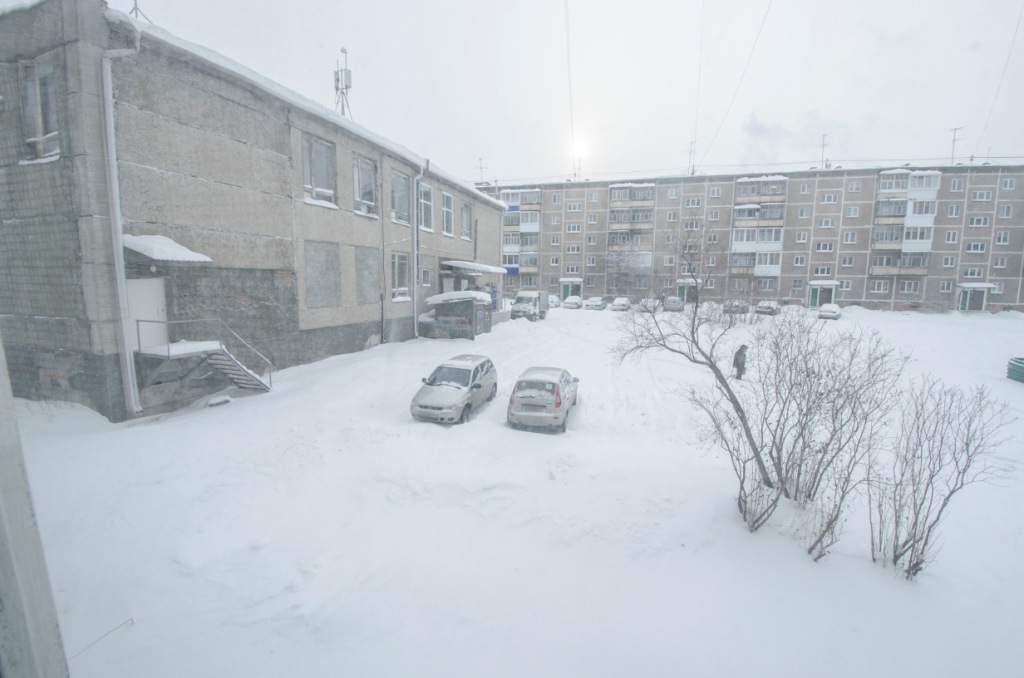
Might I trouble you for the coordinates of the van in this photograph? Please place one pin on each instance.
(532, 305)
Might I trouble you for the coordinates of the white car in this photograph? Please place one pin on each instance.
(554, 301)
(829, 312)
(572, 302)
(543, 398)
(594, 304)
(620, 304)
(673, 304)
(455, 389)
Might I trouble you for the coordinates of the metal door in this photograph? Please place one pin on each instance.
(146, 301)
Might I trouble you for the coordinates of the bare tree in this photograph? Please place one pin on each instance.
(942, 445)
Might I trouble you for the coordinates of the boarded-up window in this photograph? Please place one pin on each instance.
(367, 275)
(323, 274)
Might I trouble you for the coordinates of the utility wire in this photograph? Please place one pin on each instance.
(1006, 65)
(737, 90)
(568, 66)
(696, 106)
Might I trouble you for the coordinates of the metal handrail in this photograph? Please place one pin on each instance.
(217, 321)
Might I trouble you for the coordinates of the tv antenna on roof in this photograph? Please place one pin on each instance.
(136, 12)
(342, 84)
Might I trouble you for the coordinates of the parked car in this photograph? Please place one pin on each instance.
(531, 305)
(456, 388)
(829, 312)
(735, 306)
(554, 301)
(594, 304)
(620, 304)
(767, 308)
(543, 398)
(572, 302)
(673, 304)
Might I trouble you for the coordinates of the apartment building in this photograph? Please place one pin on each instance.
(159, 197)
(894, 238)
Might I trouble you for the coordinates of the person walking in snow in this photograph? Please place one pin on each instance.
(739, 361)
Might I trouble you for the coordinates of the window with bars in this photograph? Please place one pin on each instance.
(399, 275)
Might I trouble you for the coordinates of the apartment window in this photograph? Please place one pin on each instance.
(575, 207)
(712, 238)
(909, 286)
(556, 240)
(822, 271)
(673, 193)
(589, 281)
(426, 208)
(364, 185)
(691, 225)
(827, 222)
(672, 216)
(976, 247)
(510, 238)
(318, 168)
(528, 281)
(712, 261)
(670, 261)
(801, 236)
(712, 215)
(846, 261)
(974, 272)
(798, 285)
(554, 261)
(574, 228)
(852, 212)
(800, 260)
(978, 221)
(399, 275)
(951, 237)
(956, 186)
(591, 218)
(591, 261)
(853, 187)
(426, 277)
(467, 222)
(591, 239)
(571, 270)
(593, 196)
(556, 198)
(924, 207)
(510, 260)
(846, 285)
(766, 284)
(948, 262)
(768, 259)
(572, 249)
(41, 109)
(670, 238)
(824, 247)
(1005, 211)
(998, 289)
(805, 189)
(879, 286)
(946, 286)
(529, 198)
(953, 211)
(693, 202)
(739, 284)
(1002, 237)
(400, 198)
(529, 259)
(893, 182)
(1009, 184)
(927, 181)
(803, 213)
(829, 198)
(850, 237)
(998, 262)
(716, 191)
(555, 220)
(981, 196)
(448, 214)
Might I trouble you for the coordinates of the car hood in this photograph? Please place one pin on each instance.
(439, 396)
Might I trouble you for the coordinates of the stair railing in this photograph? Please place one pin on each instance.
(185, 330)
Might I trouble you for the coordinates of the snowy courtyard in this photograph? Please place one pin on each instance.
(318, 530)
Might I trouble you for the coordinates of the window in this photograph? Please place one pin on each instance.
(399, 275)
(672, 216)
(510, 238)
(978, 221)
(739, 284)
(821, 271)
(529, 198)
(467, 222)
(768, 259)
(893, 182)
(798, 285)
(591, 261)
(712, 238)
(981, 196)
(828, 222)
(426, 208)
(946, 286)
(997, 289)
(803, 213)
(712, 261)
(400, 198)
(924, 206)
(879, 286)
(1002, 237)
(769, 235)
(852, 212)
(853, 187)
(555, 220)
(948, 262)
(556, 240)
(998, 262)
(956, 186)
(846, 261)
(951, 237)
(926, 181)
(917, 233)
(766, 284)
(447, 214)
(673, 193)
(850, 237)
(41, 109)
(591, 218)
(805, 189)
(974, 272)
(670, 261)
(716, 191)
(554, 261)
(1005, 211)
(800, 260)
(556, 198)
(590, 281)
(670, 238)
(693, 202)
(691, 225)
(801, 236)
(575, 207)
(712, 215)
(364, 185)
(591, 239)
(574, 228)
(572, 249)
(909, 286)
(829, 198)
(1009, 184)
(528, 259)
(426, 277)
(509, 259)
(976, 247)
(846, 285)
(824, 247)
(572, 269)
(689, 248)
(953, 211)
(318, 168)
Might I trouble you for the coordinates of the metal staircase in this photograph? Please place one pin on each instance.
(239, 374)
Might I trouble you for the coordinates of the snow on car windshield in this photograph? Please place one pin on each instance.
(535, 389)
(449, 376)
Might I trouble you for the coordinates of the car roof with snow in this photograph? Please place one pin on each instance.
(541, 374)
(465, 360)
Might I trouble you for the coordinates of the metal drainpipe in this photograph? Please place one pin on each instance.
(128, 381)
(416, 249)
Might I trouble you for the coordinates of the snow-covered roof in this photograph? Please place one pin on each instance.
(746, 206)
(446, 297)
(570, 280)
(976, 286)
(161, 248)
(632, 185)
(895, 171)
(294, 98)
(767, 177)
(474, 266)
(690, 282)
(823, 283)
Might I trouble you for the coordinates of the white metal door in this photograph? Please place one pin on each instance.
(146, 301)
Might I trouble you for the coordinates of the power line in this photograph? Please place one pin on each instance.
(568, 66)
(1006, 65)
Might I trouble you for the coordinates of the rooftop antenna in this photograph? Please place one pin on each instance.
(952, 154)
(823, 147)
(136, 12)
(482, 168)
(342, 84)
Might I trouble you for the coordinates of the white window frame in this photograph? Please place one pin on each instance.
(1002, 237)
(364, 185)
(824, 247)
(716, 192)
(425, 207)
(40, 106)
(801, 236)
(574, 207)
(953, 211)
(879, 287)
(829, 198)
(574, 228)
(827, 222)
(1005, 211)
(852, 212)
(981, 196)
(949, 261)
(400, 194)
(956, 185)
(951, 237)
(467, 221)
(447, 214)
(693, 202)
(399, 276)
(850, 237)
(318, 167)
(799, 260)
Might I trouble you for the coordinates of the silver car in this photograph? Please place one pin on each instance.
(543, 398)
(455, 389)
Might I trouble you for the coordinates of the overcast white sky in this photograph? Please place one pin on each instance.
(461, 80)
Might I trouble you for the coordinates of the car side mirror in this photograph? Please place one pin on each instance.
(478, 385)
(575, 380)
(424, 380)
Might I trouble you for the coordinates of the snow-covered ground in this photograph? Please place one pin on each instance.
(317, 530)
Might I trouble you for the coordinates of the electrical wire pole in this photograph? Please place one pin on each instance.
(823, 147)
(342, 84)
(952, 153)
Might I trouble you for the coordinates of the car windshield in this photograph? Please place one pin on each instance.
(449, 376)
(535, 390)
